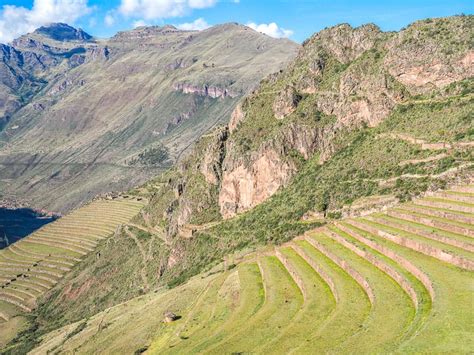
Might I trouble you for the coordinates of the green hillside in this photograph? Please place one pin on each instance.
(334, 213)
(377, 283)
(423, 144)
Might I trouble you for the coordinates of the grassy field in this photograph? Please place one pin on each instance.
(33, 265)
(360, 285)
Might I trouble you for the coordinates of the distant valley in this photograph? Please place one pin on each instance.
(18, 223)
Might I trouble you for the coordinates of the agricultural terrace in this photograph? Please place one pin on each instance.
(396, 281)
(33, 265)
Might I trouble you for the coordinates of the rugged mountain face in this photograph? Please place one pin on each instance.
(357, 77)
(84, 116)
(340, 82)
(32, 60)
(63, 32)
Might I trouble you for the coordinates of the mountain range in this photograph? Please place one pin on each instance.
(282, 197)
(82, 116)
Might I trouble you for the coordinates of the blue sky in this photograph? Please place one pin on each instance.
(296, 19)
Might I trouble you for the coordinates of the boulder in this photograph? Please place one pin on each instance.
(170, 317)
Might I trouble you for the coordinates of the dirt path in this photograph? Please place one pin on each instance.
(144, 257)
(425, 160)
(383, 182)
(424, 145)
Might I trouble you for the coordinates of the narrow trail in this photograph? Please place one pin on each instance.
(425, 160)
(382, 182)
(144, 257)
(424, 145)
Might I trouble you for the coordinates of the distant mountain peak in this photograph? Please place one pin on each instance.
(154, 28)
(63, 32)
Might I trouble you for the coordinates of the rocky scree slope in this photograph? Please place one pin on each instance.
(83, 116)
(332, 130)
(30, 61)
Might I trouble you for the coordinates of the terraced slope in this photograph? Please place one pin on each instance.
(33, 265)
(398, 281)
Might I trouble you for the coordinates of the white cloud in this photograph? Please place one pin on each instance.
(18, 20)
(92, 22)
(197, 25)
(109, 19)
(139, 23)
(201, 4)
(271, 29)
(159, 9)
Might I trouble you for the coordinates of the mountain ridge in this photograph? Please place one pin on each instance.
(212, 65)
(63, 32)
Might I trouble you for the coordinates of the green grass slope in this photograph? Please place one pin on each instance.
(183, 233)
(356, 137)
(355, 285)
(369, 162)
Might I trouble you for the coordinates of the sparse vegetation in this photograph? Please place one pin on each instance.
(152, 156)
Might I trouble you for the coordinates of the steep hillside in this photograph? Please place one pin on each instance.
(283, 176)
(35, 264)
(397, 281)
(355, 124)
(86, 116)
(32, 60)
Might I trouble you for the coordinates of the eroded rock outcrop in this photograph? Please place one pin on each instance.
(248, 180)
(213, 157)
(193, 187)
(204, 90)
(346, 43)
(286, 102)
(63, 85)
(245, 185)
(365, 95)
(238, 115)
(431, 54)
(97, 53)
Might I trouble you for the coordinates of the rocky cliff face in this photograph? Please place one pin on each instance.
(431, 54)
(250, 179)
(211, 91)
(343, 78)
(357, 75)
(246, 184)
